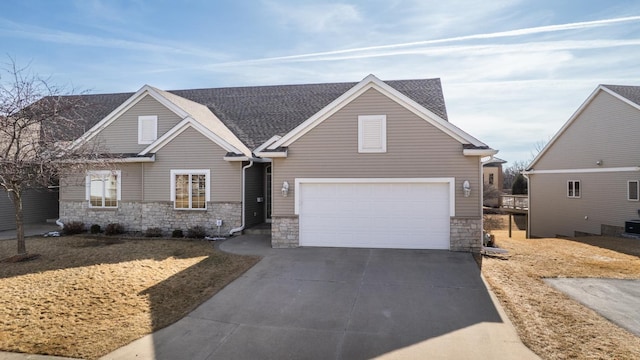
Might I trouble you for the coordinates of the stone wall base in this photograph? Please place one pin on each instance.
(466, 234)
(285, 232)
(140, 216)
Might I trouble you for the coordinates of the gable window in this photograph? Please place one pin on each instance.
(103, 188)
(490, 179)
(633, 190)
(190, 189)
(372, 133)
(147, 129)
(573, 188)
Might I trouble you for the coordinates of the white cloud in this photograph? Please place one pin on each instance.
(314, 17)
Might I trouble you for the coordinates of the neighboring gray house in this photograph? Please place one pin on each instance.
(367, 164)
(38, 206)
(586, 180)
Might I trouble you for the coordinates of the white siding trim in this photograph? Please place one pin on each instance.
(147, 129)
(450, 181)
(372, 133)
(583, 171)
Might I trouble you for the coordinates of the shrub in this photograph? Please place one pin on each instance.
(196, 232)
(114, 229)
(73, 227)
(177, 233)
(95, 229)
(153, 232)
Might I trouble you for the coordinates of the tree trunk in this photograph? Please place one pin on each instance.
(16, 198)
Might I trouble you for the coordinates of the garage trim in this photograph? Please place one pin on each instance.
(450, 181)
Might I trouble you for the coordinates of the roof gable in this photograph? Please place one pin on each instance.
(372, 82)
(627, 94)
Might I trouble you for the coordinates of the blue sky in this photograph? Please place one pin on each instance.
(513, 71)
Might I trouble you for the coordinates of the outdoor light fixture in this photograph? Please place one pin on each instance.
(285, 189)
(466, 188)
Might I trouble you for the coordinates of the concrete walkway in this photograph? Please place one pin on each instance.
(29, 230)
(328, 303)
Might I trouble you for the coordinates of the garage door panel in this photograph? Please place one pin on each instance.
(392, 215)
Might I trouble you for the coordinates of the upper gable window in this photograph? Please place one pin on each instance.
(633, 190)
(372, 133)
(147, 129)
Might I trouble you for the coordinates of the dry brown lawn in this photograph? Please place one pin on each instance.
(85, 297)
(550, 323)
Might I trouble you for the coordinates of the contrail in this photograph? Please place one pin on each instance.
(501, 34)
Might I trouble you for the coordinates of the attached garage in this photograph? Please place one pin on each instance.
(375, 213)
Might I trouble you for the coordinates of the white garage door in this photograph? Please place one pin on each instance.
(374, 214)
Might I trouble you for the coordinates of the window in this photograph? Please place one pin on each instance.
(633, 190)
(490, 179)
(147, 129)
(103, 188)
(190, 189)
(372, 133)
(573, 188)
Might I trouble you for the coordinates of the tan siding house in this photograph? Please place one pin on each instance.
(367, 164)
(580, 181)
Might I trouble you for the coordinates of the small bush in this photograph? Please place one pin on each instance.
(177, 233)
(95, 229)
(196, 232)
(114, 229)
(153, 232)
(73, 227)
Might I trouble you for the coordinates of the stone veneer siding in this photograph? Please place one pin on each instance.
(465, 234)
(140, 216)
(285, 232)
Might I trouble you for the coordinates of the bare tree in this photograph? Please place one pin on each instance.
(512, 172)
(37, 127)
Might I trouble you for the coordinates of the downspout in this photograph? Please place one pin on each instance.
(244, 176)
(528, 231)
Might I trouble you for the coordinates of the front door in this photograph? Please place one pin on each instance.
(267, 192)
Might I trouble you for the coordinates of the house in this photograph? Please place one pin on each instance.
(586, 180)
(493, 180)
(367, 164)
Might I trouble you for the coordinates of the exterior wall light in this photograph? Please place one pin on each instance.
(285, 189)
(466, 188)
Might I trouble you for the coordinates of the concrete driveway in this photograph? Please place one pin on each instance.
(331, 303)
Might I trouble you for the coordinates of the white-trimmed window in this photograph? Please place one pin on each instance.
(103, 188)
(147, 129)
(190, 189)
(372, 133)
(573, 189)
(633, 190)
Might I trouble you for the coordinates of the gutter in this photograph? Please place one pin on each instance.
(244, 176)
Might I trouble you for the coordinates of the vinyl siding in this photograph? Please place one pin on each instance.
(603, 200)
(38, 206)
(121, 136)
(607, 130)
(193, 151)
(415, 148)
(73, 187)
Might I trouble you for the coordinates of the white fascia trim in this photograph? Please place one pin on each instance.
(479, 152)
(236, 158)
(267, 143)
(130, 102)
(583, 171)
(447, 180)
(373, 82)
(180, 128)
(272, 154)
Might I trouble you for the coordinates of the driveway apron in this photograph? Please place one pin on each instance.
(341, 303)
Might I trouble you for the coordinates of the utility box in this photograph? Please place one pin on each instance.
(632, 226)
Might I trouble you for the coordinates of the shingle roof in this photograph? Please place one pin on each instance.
(630, 92)
(257, 113)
